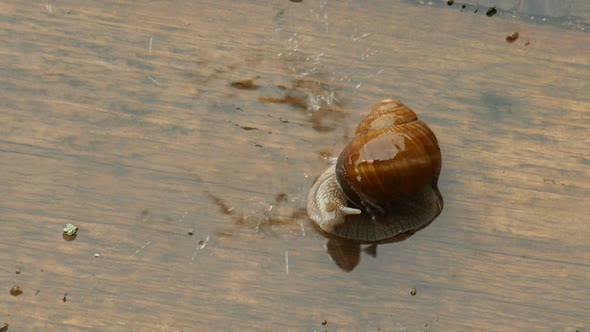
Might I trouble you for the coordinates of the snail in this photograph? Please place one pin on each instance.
(384, 182)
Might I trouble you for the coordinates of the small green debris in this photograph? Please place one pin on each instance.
(280, 14)
(70, 230)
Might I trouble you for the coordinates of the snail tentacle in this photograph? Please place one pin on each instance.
(349, 211)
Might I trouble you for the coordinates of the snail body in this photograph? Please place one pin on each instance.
(392, 163)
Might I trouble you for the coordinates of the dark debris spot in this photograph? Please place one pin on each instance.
(16, 290)
(244, 85)
(144, 214)
(248, 128)
(491, 11)
(225, 209)
(288, 99)
(281, 197)
(512, 38)
(450, 2)
(322, 128)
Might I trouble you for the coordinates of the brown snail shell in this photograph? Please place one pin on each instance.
(392, 154)
(385, 180)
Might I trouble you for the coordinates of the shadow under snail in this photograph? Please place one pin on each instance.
(384, 182)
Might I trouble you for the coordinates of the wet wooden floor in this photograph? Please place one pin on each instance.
(182, 139)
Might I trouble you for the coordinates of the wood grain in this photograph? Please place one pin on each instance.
(121, 117)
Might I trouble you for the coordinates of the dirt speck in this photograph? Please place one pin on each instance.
(512, 38)
(144, 215)
(16, 290)
(281, 197)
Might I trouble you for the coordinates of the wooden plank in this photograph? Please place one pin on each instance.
(121, 118)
